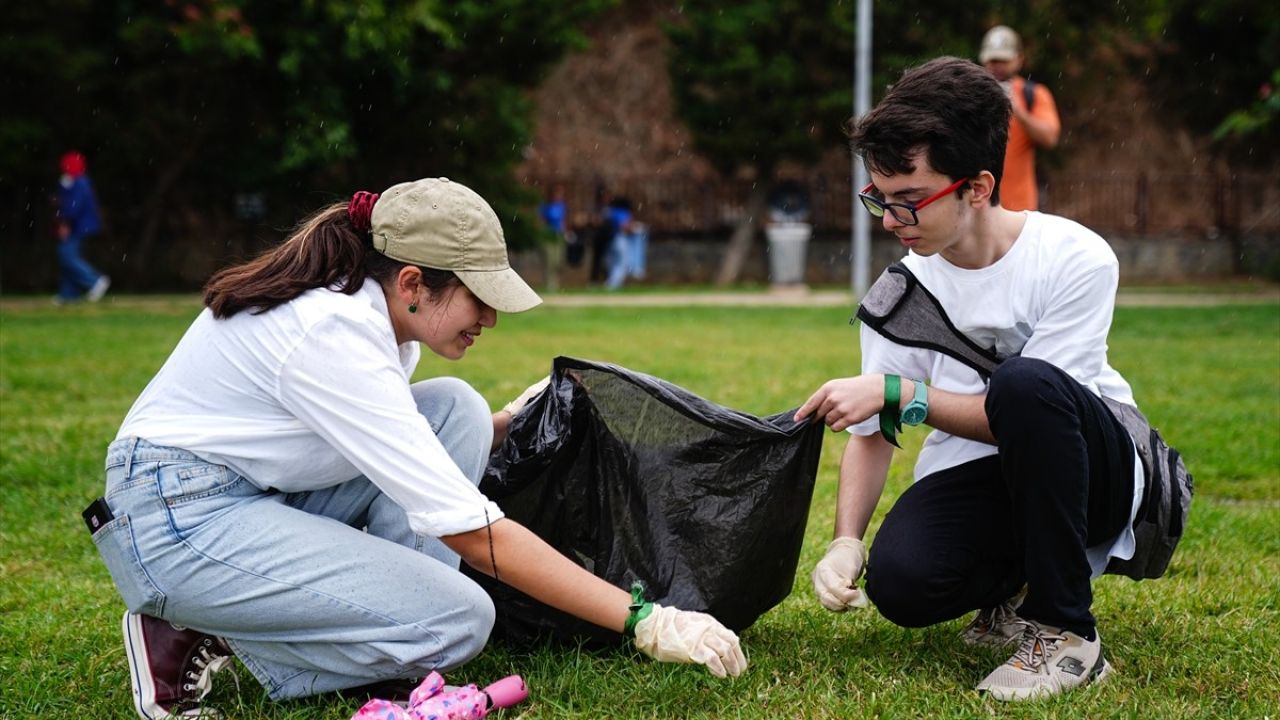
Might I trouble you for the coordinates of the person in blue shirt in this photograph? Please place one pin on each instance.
(553, 213)
(630, 243)
(78, 219)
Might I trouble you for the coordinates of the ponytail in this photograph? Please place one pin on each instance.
(325, 251)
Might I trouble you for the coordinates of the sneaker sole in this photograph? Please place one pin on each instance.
(1036, 693)
(135, 648)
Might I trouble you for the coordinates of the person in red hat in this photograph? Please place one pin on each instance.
(78, 219)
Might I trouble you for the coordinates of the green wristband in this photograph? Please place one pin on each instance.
(890, 423)
(639, 610)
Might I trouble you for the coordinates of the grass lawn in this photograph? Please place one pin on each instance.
(1202, 642)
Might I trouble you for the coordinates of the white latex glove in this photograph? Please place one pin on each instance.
(672, 635)
(523, 398)
(835, 575)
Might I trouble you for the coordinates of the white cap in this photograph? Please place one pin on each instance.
(1000, 43)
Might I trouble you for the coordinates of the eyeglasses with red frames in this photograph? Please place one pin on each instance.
(904, 213)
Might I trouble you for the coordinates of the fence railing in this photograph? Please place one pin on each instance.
(1140, 204)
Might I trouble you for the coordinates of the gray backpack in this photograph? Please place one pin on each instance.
(900, 308)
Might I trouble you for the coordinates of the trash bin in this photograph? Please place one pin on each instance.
(788, 248)
(788, 231)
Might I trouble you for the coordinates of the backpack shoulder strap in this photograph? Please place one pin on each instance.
(903, 310)
(1029, 93)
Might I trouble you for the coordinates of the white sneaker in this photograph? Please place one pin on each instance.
(1048, 662)
(99, 288)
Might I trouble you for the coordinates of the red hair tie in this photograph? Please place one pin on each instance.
(360, 210)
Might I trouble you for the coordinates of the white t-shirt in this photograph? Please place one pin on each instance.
(1050, 297)
(312, 393)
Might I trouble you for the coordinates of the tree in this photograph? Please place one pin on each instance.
(759, 83)
(181, 105)
(1214, 61)
(1258, 118)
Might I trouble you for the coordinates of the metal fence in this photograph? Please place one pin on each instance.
(1139, 204)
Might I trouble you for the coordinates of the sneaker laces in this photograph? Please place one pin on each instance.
(1038, 643)
(1005, 613)
(993, 617)
(209, 660)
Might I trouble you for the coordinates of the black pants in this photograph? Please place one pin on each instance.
(970, 536)
(601, 242)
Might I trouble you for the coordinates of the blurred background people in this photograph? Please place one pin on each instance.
(1034, 123)
(629, 246)
(602, 233)
(553, 213)
(77, 220)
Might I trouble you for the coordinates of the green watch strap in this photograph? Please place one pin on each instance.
(889, 422)
(639, 610)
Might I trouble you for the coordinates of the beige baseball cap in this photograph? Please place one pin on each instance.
(1000, 43)
(441, 224)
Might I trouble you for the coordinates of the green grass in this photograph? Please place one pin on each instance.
(1202, 642)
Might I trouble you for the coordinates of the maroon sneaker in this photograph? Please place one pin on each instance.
(172, 667)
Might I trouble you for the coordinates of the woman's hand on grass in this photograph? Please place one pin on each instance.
(672, 635)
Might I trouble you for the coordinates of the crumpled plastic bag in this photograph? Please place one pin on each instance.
(637, 479)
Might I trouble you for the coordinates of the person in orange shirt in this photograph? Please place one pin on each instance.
(1034, 123)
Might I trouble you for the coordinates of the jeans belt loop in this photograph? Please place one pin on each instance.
(128, 458)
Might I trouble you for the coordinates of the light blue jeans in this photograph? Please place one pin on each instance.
(315, 591)
(75, 274)
(627, 257)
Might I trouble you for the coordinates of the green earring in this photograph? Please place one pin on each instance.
(413, 307)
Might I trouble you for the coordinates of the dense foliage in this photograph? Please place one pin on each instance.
(1215, 58)
(759, 81)
(183, 105)
(187, 109)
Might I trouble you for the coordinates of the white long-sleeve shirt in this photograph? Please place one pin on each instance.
(312, 393)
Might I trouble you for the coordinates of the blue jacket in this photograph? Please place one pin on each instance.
(78, 208)
(553, 214)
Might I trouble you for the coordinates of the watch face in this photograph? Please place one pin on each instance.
(913, 415)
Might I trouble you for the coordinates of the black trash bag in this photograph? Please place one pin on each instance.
(636, 479)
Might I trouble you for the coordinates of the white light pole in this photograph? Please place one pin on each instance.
(861, 241)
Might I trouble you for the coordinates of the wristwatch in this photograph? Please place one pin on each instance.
(918, 409)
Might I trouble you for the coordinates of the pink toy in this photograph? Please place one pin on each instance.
(430, 701)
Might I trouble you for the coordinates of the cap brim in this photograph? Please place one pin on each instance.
(503, 290)
(1002, 55)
